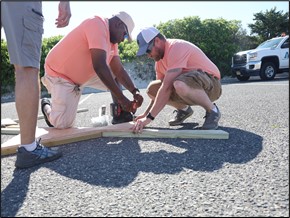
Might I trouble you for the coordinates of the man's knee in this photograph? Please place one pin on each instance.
(153, 88)
(62, 122)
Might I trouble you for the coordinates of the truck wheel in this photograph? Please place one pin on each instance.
(268, 71)
(243, 78)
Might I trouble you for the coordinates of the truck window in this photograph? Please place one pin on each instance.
(285, 44)
(270, 43)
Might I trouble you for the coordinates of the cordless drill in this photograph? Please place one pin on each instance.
(116, 109)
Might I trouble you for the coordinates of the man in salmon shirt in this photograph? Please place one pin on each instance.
(88, 57)
(185, 76)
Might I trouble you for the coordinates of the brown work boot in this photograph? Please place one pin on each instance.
(180, 116)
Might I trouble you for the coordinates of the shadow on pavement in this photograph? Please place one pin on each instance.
(116, 162)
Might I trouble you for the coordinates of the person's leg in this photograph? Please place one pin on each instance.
(202, 89)
(152, 90)
(27, 81)
(65, 96)
(24, 48)
(196, 97)
(183, 111)
(198, 88)
(23, 26)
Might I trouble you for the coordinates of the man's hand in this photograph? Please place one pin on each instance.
(64, 14)
(138, 98)
(126, 104)
(140, 124)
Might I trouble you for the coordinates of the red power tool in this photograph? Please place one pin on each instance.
(116, 109)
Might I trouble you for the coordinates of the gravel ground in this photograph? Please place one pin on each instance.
(246, 175)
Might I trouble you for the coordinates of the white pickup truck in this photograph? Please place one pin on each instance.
(268, 59)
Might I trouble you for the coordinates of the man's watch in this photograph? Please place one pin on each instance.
(150, 116)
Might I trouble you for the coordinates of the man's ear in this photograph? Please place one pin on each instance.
(156, 41)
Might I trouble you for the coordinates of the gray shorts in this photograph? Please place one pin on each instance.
(23, 25)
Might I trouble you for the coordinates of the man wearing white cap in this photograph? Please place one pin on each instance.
(185, 76)
(88, 57)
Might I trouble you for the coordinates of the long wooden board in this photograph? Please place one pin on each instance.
(154, 133)
(7, 121)
(10, 130)
(7, 124)
(39, 117)
(53, 137)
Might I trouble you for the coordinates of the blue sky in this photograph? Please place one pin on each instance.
(148, 13)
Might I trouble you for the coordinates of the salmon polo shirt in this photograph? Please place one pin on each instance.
(182, 54)
(71, 58)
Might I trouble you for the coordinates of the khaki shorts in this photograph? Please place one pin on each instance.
(65, 97)
(194, 79)
(23, 25)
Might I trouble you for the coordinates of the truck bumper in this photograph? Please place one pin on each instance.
(250, 69)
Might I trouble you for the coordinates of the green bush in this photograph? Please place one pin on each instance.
(7, 70)
(47, 45)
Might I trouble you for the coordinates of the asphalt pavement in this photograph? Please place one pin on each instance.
(246, 175)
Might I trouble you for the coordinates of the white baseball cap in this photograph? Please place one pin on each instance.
(128, 21)
(144, 38)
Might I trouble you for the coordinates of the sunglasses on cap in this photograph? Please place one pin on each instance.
(126, 30)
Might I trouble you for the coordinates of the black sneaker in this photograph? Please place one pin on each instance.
(211, 119)
(40, 154)
(123, 118)
(44, 102)
(180, 116)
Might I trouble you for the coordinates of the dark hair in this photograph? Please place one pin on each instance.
(160, 36)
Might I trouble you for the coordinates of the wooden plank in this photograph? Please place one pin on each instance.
(16, 126)
(39, 117)
(53, 137)
(10, 131)
(7, 122)
(154, 133)
(125, 130)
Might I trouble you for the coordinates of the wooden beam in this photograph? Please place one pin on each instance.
(8, 121)
(154, 133)
(10, 131)
(53, 137)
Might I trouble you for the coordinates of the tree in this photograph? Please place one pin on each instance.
(218, 38)
(7, 70)
(270, 24)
